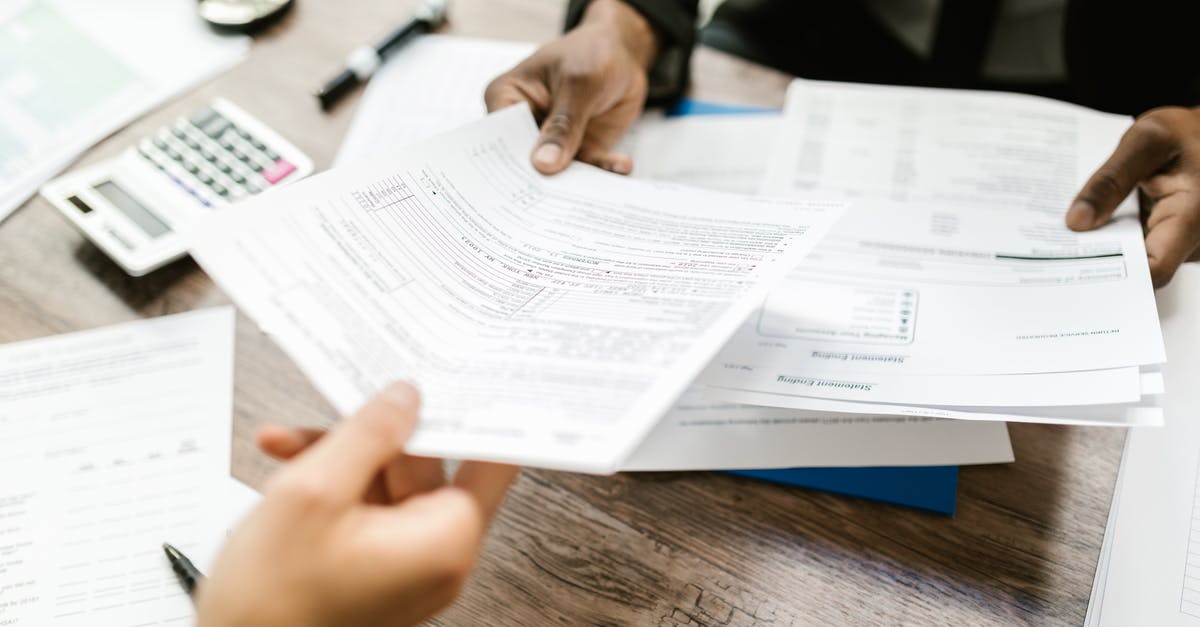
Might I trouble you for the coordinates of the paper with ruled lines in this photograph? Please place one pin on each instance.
(112, 441)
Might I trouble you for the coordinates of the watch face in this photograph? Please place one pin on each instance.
(241, 13)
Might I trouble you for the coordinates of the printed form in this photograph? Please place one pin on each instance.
(548, 321)
(112, 441)
(952, 260)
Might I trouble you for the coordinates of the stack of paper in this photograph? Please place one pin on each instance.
(554, 321)
(721, 149)
(352, 337)
(952, 287)
(724, 154)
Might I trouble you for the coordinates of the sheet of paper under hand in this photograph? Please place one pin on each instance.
(112, 441)
(953, 260)
(548, 321)
(450, 74)
(724, 152)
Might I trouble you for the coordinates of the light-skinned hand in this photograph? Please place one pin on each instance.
(1159, 156)
(586, 88)
(352, 531)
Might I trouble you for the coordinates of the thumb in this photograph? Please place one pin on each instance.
(347, 460)
(562, 131)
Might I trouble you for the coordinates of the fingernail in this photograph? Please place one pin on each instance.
(294, 436)
(1082, 214)
(402, 394)
(548, 154)
(620, 167)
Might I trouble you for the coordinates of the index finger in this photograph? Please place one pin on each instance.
(1145, 148)
(512, 87)
(284, 443)
(1171, 238)
(499, 94)
(487, 482)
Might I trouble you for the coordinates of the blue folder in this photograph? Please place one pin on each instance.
(933, 488)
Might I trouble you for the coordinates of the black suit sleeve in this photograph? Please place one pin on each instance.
(675, 22)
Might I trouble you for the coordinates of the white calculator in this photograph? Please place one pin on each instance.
(134, 206)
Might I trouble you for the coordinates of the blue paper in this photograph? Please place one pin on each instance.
(933, 488)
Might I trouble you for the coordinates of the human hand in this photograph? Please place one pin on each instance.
(1160, 157)
(586, 88)
(352, 531)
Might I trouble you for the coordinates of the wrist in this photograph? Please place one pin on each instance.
(619, 19)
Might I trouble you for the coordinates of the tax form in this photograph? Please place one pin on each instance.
(112, 441)
(73, 71)
(953, 259)
(548, 321)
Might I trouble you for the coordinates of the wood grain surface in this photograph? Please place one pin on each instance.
(639, 549)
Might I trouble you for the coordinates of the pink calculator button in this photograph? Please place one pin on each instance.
(277, 171)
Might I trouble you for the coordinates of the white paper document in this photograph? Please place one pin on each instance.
(953, 259)
(698, 148)
(702, 433)
(73, 71)
(548, 321)
(239, 501)
(1149, 573)
(725, 152)
(1147, 412)
(1089, 387)
(434, 84)
(112, 441)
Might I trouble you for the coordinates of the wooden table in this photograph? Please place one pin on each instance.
(658, 549)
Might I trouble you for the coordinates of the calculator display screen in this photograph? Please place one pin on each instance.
(133, 209)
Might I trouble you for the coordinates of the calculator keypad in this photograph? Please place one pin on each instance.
(211, 157)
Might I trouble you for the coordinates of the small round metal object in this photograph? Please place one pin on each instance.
(242, 15)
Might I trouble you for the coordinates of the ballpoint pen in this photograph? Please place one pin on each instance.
(363, 61)
(189, 576)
